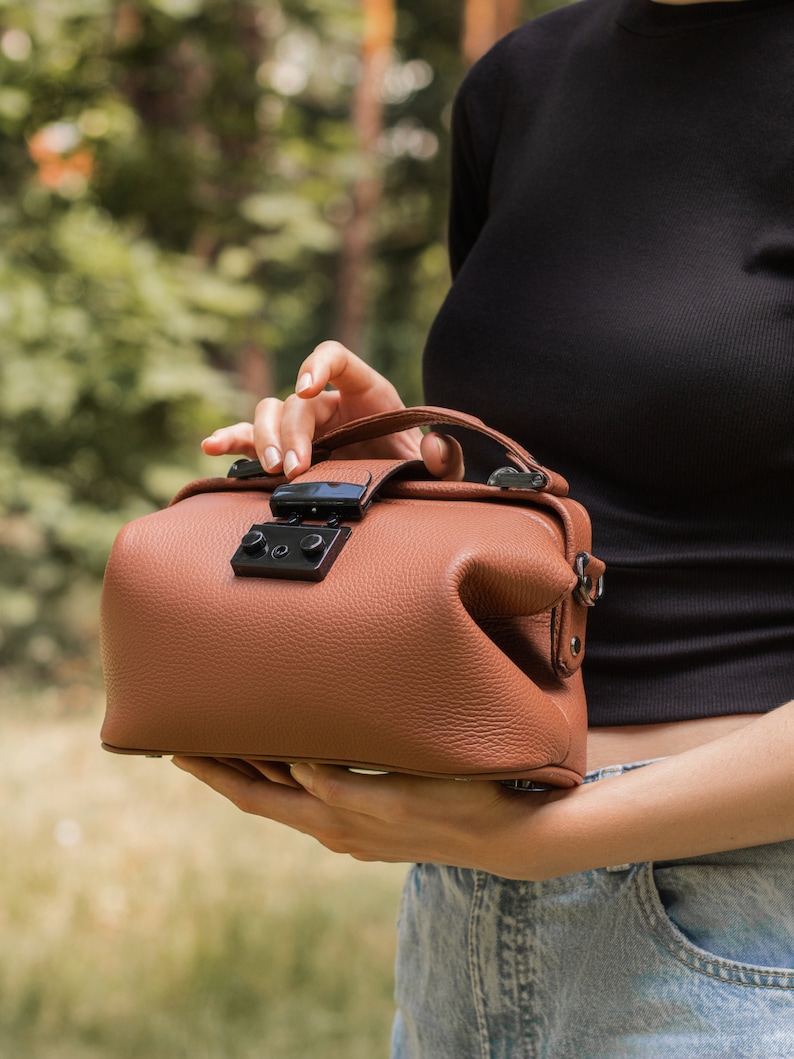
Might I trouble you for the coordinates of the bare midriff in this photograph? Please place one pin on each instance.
(644, 742)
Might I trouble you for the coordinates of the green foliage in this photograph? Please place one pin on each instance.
(174, 177)
(104, 382)
(175, 181)
(107, 375)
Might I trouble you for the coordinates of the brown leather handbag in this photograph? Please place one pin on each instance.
(360, 614)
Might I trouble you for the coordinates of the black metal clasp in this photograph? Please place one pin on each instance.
(293, 552)
(294, 549)
(512, 478)
(323, 500)
(246, 469)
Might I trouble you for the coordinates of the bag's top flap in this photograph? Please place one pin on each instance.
(370, 474)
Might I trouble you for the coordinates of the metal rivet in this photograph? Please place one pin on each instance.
(576, 645)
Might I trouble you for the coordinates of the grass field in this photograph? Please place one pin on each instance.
(143, 916)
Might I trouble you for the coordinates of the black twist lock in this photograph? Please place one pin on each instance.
(313, 545)
(254, 543)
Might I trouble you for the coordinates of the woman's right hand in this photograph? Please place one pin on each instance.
(282, 432)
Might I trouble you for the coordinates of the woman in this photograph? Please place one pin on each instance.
(622, 245)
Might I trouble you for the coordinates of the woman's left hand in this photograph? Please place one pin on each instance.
(384, 817)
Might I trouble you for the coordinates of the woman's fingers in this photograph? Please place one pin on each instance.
(275, 771)
(283, 802)
(332, 364)
(235, 440)
(267, 434)
(357, 390)
(386, 817)
(443, 456)
(397, 817)
(283, 432)
(340, 830)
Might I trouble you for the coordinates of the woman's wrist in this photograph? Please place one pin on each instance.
(736, 791)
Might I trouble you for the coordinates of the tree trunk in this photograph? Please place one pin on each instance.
(485, 21)
(353, 288)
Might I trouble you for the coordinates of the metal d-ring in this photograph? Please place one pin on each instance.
(586, 593)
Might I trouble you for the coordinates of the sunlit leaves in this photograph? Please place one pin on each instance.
(175, 178)
(105, 386)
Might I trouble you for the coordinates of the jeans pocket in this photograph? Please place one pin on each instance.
(729, 915)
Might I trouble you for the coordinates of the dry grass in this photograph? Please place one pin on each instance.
(142, 916)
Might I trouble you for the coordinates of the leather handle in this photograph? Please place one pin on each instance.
(377, 426)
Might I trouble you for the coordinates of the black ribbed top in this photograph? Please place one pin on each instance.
(622, 242)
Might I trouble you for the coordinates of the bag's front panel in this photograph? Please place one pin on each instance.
(357, 668)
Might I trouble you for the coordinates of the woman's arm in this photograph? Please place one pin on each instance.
(735, 791)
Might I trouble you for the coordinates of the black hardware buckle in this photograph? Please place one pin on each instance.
(293, 549)
(246, 469)
(294, 552)
(512, 478)
(321, 500)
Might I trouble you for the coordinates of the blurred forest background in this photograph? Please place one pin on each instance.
(193, 193)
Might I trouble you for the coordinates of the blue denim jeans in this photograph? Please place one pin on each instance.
(687, 958)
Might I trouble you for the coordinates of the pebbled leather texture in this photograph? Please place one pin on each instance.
(439, 643)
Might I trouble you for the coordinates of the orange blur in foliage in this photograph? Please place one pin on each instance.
(59, 165)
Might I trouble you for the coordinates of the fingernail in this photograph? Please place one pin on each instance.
(211, 437)
(290, 462)
(271, 457)
(304, 382)
(304, 774)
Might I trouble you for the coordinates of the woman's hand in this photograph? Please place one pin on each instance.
(735, 791)
(282, 432)
(393, 818)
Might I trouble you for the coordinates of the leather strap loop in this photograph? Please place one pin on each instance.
(369, 473)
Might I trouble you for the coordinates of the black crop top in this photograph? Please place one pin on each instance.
(622, 246)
